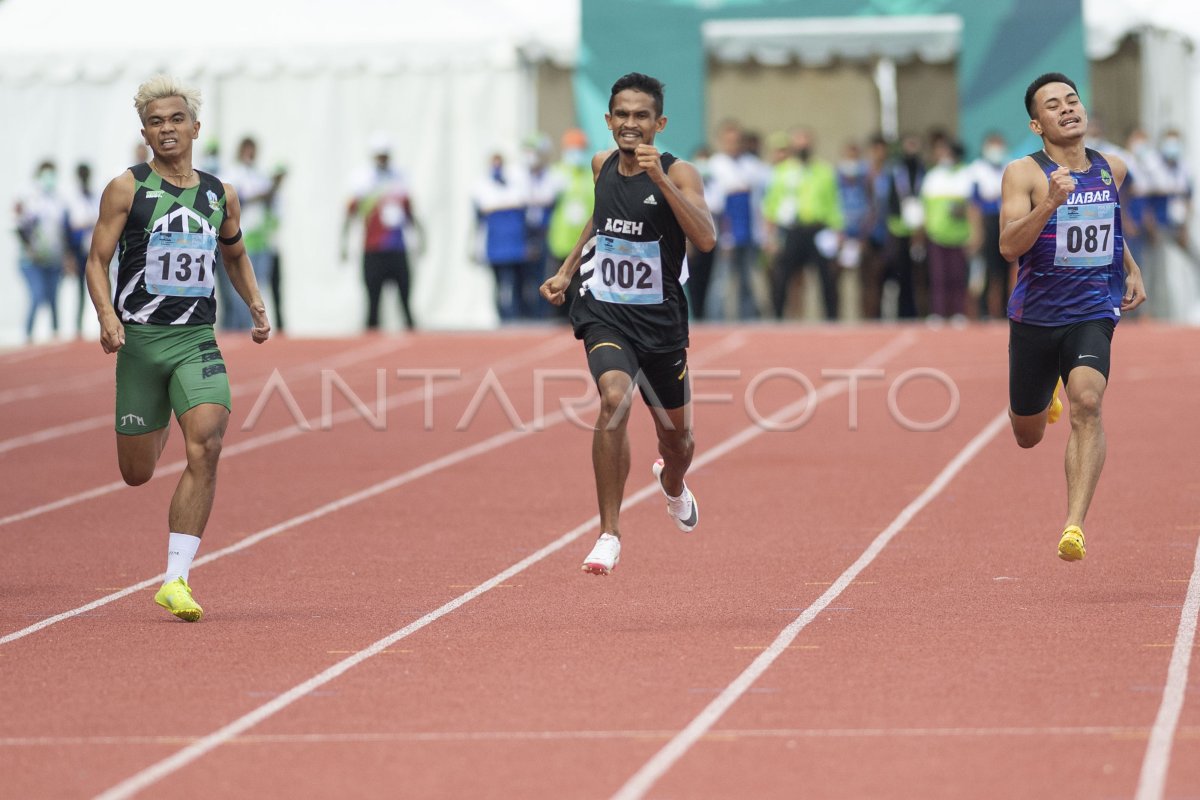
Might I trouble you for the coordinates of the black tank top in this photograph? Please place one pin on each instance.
(177, 228)
(631, 281)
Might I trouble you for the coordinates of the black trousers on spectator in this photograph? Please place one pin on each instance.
(700, 269)
(378, 269)
(277, 294)
(995, 273)
(799, 250)
(899, 266)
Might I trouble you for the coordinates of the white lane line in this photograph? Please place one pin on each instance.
(241, 388)
(725, 734)
(662, 761)
(728, 344)
(409, 397)
(200, 747)
(1152, 782)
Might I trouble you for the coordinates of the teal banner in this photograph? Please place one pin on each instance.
(1005, 44)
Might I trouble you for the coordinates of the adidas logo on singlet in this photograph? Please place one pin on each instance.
(650, 201)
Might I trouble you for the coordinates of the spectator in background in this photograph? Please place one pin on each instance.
(573, 205)
(737, 183)
(906, 215)
(501, 206)
(872, 272)
(381, 197)
(210, 159)
(700, 263)
(986, 173)
(855, 191)
(946, 195)
(84, 210)
(257, 192)
(544, 187)
(43, 227)
(1177, 183)
(276, 286)
(1147, 215)
(802, 201)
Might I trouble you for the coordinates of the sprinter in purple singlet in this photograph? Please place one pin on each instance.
(1061, 219)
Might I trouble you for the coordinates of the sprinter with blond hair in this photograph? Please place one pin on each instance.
(169, 218)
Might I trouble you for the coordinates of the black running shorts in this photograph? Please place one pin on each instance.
(1039, 355)
(661, 377)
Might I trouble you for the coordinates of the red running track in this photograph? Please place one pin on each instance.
(395, 608)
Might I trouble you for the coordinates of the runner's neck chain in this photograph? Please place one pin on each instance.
(181, 175)
(1087, 164)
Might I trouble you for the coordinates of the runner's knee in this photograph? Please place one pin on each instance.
(204, 448)
(1085, 406)
(135, 474)
(614, 398)
(1026, 432)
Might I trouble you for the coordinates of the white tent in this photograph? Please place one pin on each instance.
(312, 81)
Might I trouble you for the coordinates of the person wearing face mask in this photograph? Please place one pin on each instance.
(501, 200)
(258, 192)
(804, 222)
(544, 187)
(43, 227)
(949, 221)
(854, 184)
(732, 185)
(1177, 184)
(84, 205)
(1150, 181)
(986, 173)
(905, 216)
(573, 205)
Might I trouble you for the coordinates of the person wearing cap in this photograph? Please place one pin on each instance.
(382, 199)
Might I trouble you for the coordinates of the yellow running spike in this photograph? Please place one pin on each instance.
(1070, 546)
(1056, 406)
(176, 596)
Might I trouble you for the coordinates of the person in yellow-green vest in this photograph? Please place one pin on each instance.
(573, 207)
(804, 221)
(946, 196)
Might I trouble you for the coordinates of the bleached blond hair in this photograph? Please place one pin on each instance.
(161, 86)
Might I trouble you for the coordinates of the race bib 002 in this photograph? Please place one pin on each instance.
(180, 264)
(1085, 236)
(626, 272)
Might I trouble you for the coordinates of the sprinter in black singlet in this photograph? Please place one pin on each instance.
(631, 312)
(168, 219)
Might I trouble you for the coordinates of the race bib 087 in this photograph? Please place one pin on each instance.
(180, 264)
(1085, 236)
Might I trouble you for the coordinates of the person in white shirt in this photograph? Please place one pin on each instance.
(986, 173)
(43, 229)
(258, 192)
(738, 181)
